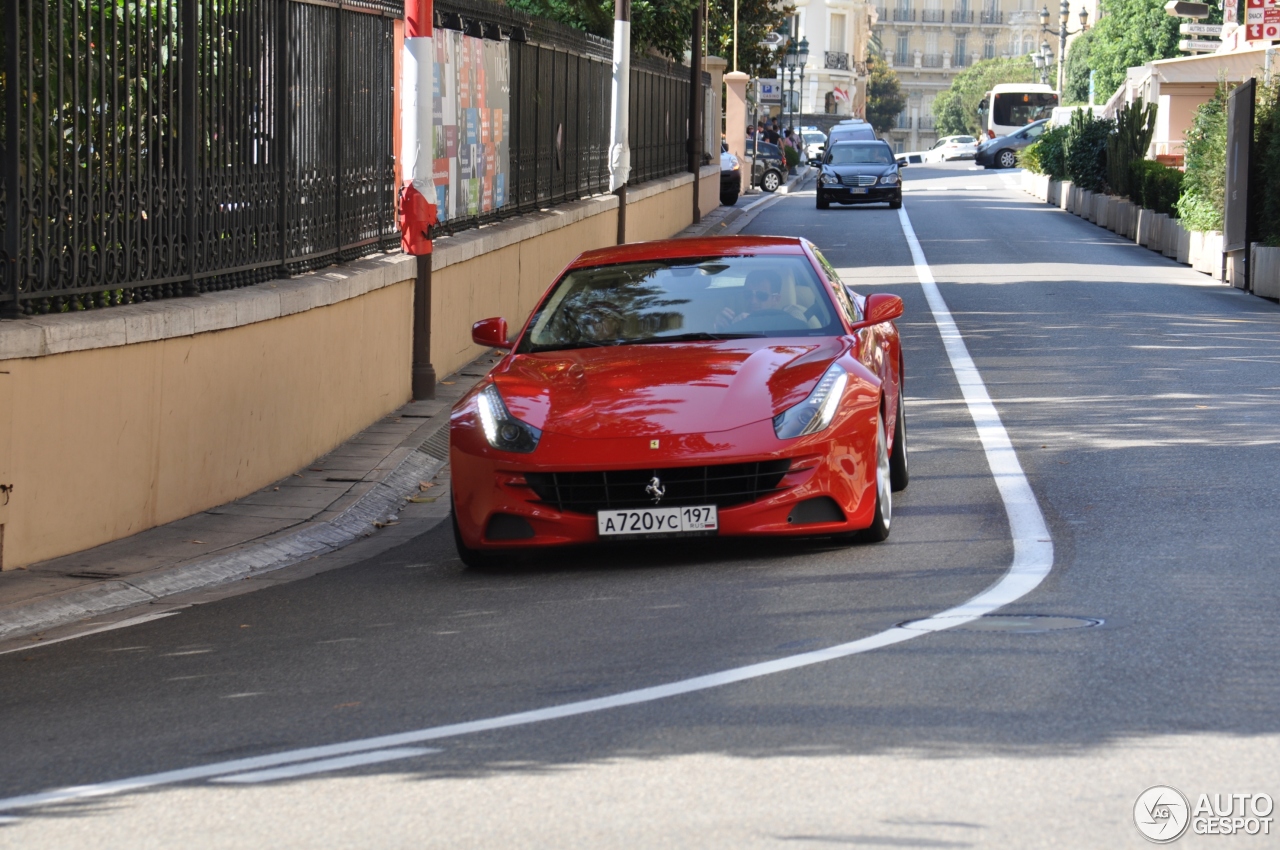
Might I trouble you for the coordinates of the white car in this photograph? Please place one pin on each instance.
(815, 141)
(953, 147)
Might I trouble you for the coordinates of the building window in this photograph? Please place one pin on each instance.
(989, 48)
(902, 56)
(836, 36)
(931, 43)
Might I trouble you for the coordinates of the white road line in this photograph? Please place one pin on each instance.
(132, 621)
(326, 765)
(1032, 560)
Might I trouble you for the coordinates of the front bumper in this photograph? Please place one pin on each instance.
(839, 194)
(838, 464)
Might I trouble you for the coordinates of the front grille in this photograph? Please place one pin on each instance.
(723, 486)
(859, 180)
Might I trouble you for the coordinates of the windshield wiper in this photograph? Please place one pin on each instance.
(695, 337)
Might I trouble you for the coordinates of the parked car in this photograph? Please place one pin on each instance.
(730, 177)
(768, 165)
(815, 142)
(1002, 151)
(594, 426)
(860, 173)
(953, 147)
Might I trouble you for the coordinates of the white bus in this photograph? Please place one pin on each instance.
(1011, 106)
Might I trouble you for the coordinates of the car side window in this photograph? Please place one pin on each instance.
(847, 305)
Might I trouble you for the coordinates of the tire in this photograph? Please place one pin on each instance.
(771, 180)
(883, 518)
(1006, 158)
(896, 205)
(823, 203)
(899, 475)
(473, 558)
(728, 200)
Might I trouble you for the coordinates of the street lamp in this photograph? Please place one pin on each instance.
(802, 59)
(789, 59)
(1038, 59)
(1064, 15)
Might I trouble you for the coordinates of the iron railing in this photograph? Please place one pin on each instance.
(991, 17)
(962, 16)
(835, 60)
(931, 60)
(933, 16)
(172, 147)
(180, 146)
(905, 14)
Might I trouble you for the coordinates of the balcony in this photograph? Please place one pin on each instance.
(835, 60)
(991, 18)
(926, 122)
(902, 59)
(933, 16)
(880, 15)
(931, 60)
(962, 17)
(960, 60)
(903, 123)
(904, 15)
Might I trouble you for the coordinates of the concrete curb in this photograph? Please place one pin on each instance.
(281, 550)
(723, 224)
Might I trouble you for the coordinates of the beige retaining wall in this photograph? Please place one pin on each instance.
(118, 420)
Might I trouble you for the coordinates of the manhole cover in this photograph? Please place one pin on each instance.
(1027, 624)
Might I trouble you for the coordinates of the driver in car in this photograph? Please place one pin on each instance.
(763, 290)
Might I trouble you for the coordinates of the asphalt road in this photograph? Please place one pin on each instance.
(1142, 401)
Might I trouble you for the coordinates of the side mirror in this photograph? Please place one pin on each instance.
(902, 162)
(880, 308)
(491, 333)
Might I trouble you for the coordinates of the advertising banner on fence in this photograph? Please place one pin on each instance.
(470, 124)
(1262, 20)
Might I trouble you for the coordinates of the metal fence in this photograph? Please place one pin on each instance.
(170, 147)
(560, 108)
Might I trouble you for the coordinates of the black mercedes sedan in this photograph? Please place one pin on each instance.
(859, 173)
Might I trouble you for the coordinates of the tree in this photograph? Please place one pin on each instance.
(665, 26)
(1076, 74)
(1132, 33)
(955, 110)
(885, 98)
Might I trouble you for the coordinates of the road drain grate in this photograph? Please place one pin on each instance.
(1025, 624)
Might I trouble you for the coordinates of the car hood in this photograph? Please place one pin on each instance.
(655, 390)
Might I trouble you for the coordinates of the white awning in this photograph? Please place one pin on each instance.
(1236, 67)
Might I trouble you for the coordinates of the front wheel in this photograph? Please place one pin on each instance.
(771, 180)
(895, 204)
(1006, 158)
(899, 475)
(879, 529)
(823, 203)
(728, 200)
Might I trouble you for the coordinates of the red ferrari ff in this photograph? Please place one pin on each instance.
(692, 387)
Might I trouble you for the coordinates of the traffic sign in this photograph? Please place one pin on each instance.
(1214, 30)
(1198, 45)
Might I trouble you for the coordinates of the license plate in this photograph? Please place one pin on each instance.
(658, 522)
(857, 191)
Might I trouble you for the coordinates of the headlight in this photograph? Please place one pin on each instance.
(889, 180)
(501, 429)
(828, 178)
(815, 412)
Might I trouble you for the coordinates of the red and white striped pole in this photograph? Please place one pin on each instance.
(417, 213)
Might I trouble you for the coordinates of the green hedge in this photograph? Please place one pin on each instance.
(1047, 155)
(1154, 186)
(1085, 150)
(1204, 184)
(1264, 179)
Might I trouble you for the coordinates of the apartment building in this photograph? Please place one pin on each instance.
(928, 42)
(839, 32)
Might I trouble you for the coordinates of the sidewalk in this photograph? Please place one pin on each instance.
(344, 496)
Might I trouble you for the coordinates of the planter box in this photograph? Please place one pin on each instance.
(1124, 220)
(1134, 216)
(1207, 256)
(1195, 249)
(1083, 199)
(1064, 195)
(1264, 271)
(1184, 245)
(1055, 192)
(1113, 213)
(1102, 210)
(1158, 224)
(1036, 184)
(1172, 233)
(1143, 235)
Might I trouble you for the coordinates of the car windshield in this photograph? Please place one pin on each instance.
(683, 300)
(861, 155)
(814, 138)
